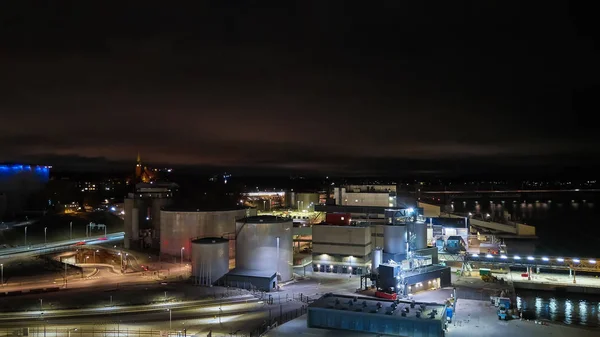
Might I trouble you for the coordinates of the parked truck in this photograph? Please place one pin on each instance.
(503, 308)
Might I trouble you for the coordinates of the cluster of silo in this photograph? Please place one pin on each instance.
(399, 239)
(264, 243)
(210, 260)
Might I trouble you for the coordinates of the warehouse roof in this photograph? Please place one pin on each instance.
(252, 273)
(367, 305)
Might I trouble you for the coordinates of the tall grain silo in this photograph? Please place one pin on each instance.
(265, 243)
(394, 239)
(376, 260)
(210, 260)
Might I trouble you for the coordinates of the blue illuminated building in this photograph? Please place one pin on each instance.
(8, 171)
(17, 183)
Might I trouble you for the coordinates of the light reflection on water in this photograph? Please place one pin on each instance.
(568, 309)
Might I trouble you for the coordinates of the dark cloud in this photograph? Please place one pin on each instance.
(313, 86)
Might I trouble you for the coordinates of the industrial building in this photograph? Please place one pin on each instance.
(397, 318)
(178, 227)
(264, 248)
(17, 183)
(210, 260)
(143, 212)
(341, 249)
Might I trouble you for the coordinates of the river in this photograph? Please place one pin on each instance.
(567, 224)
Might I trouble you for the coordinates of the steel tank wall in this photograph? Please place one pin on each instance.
(210, 260)
(178, 228)
(256, 245)
(394, 239)
(420, 230)
(376, 260)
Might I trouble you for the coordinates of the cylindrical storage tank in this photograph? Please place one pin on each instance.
(394, 239)
(265, 243)
(376, 260)
(210, 260)
(420, 235)
(179, 226)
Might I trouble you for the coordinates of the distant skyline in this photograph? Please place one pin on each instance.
(304, 87)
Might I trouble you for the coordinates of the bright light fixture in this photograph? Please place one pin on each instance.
(545, 258)
(517, 257)
(530, 258)
(560, 259)
(489, 256)
(503, 257)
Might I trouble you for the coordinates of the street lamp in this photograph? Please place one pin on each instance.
(71, 330)
(182, 249)
(170, 315)
(41, 305)
(25, 235)
(45, 231)
(96, 251)
(70, 230)
(2, 268)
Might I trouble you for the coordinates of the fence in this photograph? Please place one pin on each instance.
(43, 331)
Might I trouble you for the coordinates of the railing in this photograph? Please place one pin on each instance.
(565, 263)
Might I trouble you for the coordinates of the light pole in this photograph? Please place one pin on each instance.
(2, 268)
(41, 305)
(45, 231)
(25, 235)
(182, 249)
(71, 330)
(96, 251)
(70, 230)
(169, 310)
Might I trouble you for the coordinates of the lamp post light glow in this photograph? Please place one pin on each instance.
(45, 231)
(182, 249)
(25, 235)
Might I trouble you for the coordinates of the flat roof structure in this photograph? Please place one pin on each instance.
(252, 273)
(363, 314)
(265, 280)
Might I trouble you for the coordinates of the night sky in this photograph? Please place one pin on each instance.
(327, 87)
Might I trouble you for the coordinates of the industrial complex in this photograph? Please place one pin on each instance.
(358, 259)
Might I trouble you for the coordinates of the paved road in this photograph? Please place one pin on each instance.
(50, 247)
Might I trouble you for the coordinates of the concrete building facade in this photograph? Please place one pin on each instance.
(341, 249)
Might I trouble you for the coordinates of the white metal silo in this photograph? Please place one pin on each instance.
(376, 260)
(179, 226)
(265, 243)
(210, 260)
(394, 239)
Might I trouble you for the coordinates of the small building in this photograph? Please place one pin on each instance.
(341, 249)
(252, 279)
(378, 316)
